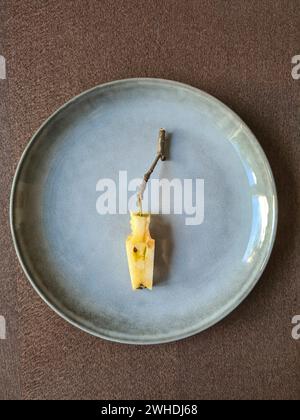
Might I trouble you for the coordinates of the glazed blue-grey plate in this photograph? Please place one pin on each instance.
(212, 243)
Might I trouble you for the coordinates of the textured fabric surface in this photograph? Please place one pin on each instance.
(239, 51)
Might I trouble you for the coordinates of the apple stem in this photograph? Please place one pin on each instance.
(160, 155)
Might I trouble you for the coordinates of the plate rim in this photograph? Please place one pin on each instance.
(239, 298)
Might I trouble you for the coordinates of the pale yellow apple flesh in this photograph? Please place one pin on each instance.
(140, 249)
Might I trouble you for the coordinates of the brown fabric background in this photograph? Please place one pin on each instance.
(239, 51)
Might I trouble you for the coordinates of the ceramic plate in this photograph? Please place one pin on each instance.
(215, 223)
